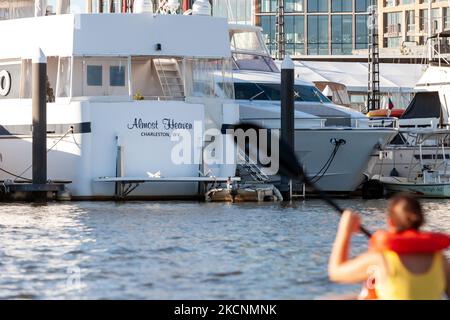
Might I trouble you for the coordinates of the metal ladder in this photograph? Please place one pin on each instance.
(252, 168)
(373, 93)
(169, 77)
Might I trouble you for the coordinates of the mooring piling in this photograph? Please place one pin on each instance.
(39, 114)
(287, 115)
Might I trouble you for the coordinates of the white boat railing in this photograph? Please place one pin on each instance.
(346, 122)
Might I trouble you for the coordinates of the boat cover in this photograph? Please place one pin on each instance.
(424, 105)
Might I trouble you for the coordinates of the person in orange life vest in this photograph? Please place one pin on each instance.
(402, 263)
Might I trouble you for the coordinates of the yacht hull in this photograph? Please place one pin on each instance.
(83, 141)
(314, 148)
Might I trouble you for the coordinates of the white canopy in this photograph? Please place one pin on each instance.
(394, 77)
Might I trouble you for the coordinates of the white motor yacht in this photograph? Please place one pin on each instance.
(120, 88)
(333, 142)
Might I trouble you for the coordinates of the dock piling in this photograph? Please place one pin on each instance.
(39, 110)
(287, 115)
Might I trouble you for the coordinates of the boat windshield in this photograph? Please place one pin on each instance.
(272, 92)
(247, 41)
(245, 61)
(250, 52)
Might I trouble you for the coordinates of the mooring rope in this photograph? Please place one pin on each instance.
(50, 149)
(20, 176)
(321, 173)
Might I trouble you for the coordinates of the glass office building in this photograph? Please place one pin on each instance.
(316, 27)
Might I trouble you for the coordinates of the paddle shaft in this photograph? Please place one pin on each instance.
(325, 197)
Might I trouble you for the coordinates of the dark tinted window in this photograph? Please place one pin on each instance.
(249, 91)
(94, 75)
(117, 76)
(271, 92)
(309, 93)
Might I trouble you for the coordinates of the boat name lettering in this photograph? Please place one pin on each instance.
(140, 124)
(171, 124)
(167, 124)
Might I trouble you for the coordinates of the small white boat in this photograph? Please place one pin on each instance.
(424, 190)
(433, 180)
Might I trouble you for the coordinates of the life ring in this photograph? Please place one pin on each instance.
(5, 83)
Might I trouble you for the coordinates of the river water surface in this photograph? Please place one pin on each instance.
(177, 250)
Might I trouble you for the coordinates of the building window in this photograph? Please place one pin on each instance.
(295, 35)
(268, 5)
(293, 6)
(341, 5)
(447, 18)
(392, 42)
(268, 25)
(361, 5)
(341, 34)
(392, 23)
(94, 75)
(410, 21)
(408, 2)
(117, 76)
(423, 19)
(361, 32)
(435, 20)
(317, 5)
(318, 35)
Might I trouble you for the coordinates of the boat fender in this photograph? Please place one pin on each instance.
(394, 173)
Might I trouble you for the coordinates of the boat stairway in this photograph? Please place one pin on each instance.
(248, 168)
(169, 77)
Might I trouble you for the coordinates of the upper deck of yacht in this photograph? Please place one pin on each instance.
(126, 56)
(116, 35)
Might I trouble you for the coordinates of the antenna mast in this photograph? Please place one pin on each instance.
(373, 98)
(281, 51)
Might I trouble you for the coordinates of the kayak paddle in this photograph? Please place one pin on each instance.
(290, 167)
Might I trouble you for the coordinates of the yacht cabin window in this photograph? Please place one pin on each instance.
(64, 77)
(94, 76)
(100, 76)
(143, 77)
(117, 76)
(272, 92)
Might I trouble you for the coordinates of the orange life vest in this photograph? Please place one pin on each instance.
(406, 242)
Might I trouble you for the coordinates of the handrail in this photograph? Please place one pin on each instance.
(354, 122)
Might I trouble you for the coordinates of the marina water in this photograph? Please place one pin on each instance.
(178, 250)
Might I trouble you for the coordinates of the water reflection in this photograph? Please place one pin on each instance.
(92, 250)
